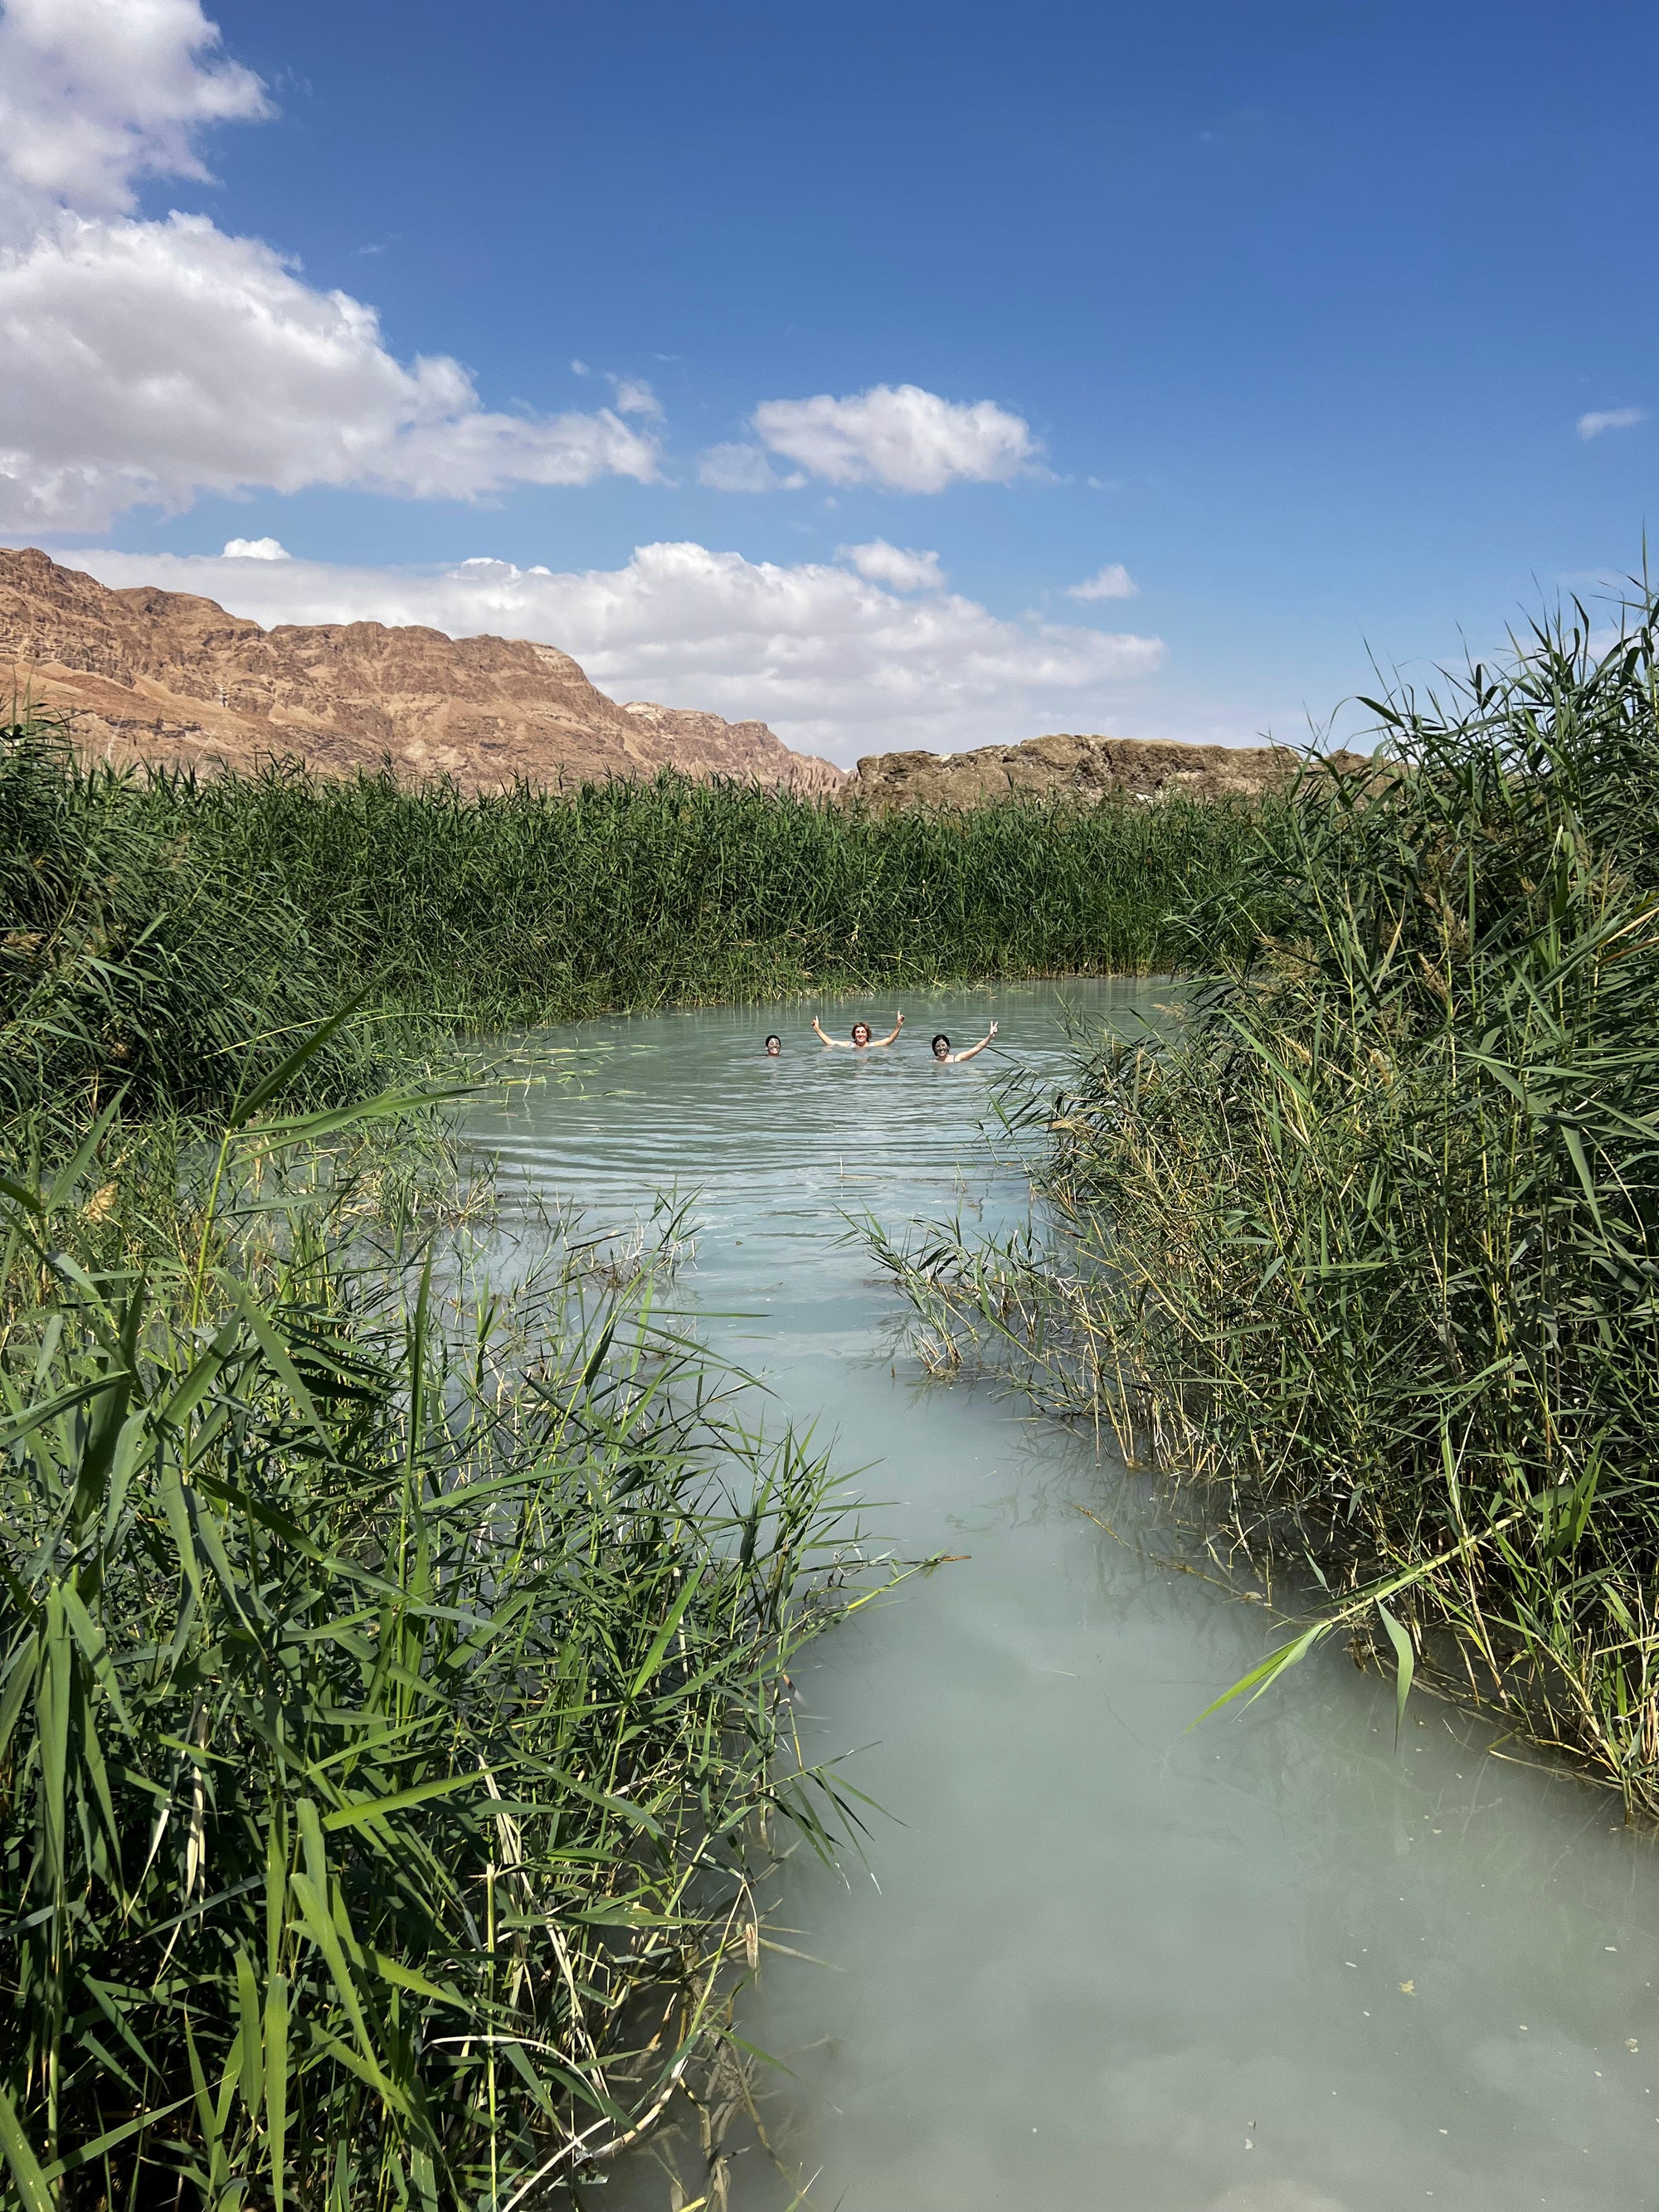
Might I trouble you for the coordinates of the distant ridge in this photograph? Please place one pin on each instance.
(1085, 769)
(143, 674)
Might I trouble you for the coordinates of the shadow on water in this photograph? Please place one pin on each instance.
(1092, 1960)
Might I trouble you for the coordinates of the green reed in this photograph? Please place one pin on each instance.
(150, 922)
(136, 959)
(1364, 1244)
(393, 1714)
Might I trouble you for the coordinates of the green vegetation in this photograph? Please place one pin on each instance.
(1363, 1246)
(393, 1734)
(393, 1707)
(393, 1715)
(153, 923)
(141, 961)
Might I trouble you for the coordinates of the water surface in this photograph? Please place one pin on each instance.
(1095, 1959)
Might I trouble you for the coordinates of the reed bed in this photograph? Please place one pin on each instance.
(152, 921)
(142, 962)
(394, 1725)
(1361, 1247)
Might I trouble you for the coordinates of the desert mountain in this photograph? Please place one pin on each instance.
(164, 676)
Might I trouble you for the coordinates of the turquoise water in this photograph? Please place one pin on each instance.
(1094, 1959)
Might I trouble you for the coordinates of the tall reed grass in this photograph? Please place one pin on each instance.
(393, 1705)
(1365, 1248)
(151, 919)
(140, 960)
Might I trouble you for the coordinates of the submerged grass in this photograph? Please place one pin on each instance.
(153, 922)
(1363, 1248)
(393, 1713)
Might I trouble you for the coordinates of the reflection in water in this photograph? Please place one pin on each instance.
(1095, 1961)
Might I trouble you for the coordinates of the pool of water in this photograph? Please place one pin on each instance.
(1093, 1959)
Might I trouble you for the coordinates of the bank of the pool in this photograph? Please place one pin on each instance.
(1364, 1252)
(395, 1662)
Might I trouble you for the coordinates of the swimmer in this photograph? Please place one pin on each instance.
(946, 1058)
(773, 1047)
(861, 1036)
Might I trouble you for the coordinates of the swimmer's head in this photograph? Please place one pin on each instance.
(773, 1047)
(941, 1046)
(860, 1032)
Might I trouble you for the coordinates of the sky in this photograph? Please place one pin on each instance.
(901, 375)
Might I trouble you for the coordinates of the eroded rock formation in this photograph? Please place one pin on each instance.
(1085, 769)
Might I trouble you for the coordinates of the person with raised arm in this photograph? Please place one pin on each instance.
(862, 1039)
(946, 1058)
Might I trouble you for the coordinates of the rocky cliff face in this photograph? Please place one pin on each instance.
(163, 676)
(1083, 769)
(751, 747)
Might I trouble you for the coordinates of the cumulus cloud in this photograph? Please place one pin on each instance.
(834, 662)
(898, 436)
(894, 566)
(256, 549)
(1610, 418)
(143, 362)
(1114, 581)
(95, 93)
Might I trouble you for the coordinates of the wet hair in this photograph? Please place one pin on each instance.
(857, 1026)
(777, 1040)
(941, 1039)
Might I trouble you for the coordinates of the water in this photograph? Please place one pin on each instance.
(1095, 1959)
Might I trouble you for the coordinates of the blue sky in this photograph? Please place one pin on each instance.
(1301, 308)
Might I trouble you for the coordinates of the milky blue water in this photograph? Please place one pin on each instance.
(1095, 1959)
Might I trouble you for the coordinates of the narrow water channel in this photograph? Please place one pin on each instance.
(1095, 1959)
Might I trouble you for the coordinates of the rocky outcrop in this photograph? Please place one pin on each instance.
(1085, 769)
(164, 676)
(751, 747)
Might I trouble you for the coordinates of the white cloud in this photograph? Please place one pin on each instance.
(145, 362)
(742, 468)
(834, 662)
(1610, 418)
(142, 362)
(635, 397)
(898, 436)
(894, 566)
(94, 92)
(1114, 581)
(255, 549)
